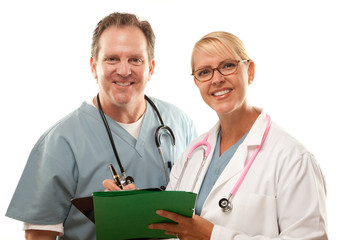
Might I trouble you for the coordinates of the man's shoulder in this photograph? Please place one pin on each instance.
(69, 122)
(171, 113)
(165, 106)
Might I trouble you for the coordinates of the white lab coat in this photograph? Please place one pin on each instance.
(281, 197)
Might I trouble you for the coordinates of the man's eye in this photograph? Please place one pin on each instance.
(136, 61)
(112, 60)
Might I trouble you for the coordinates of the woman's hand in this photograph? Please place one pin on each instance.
(110, 185)
(194, 227)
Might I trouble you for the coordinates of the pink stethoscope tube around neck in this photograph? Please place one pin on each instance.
(252, 158)
(224, 203)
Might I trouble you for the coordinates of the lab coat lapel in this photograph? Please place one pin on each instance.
(243, 153)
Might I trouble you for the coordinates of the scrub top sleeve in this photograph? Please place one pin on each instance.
(47, 184)
(192, 133)
(301, 200)
(187, 132)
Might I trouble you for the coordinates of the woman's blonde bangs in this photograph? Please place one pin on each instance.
(221, 44)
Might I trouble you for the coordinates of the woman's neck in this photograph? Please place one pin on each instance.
(235, 125)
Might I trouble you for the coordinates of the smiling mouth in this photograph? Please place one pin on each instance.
(123, 84)
(220, 93)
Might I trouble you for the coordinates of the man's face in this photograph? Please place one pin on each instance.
(122, 67)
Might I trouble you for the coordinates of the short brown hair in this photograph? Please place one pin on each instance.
(123, 19)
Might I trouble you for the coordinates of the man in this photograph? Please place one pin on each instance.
(72, 158)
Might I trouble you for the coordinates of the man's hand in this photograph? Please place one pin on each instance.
(40, 235)
(110, 185)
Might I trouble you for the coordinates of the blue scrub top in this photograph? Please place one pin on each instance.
(216, 167)
(72, 159)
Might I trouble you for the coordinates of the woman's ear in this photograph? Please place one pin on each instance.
(251, 71)
(196, 83)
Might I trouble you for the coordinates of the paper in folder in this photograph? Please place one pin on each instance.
(127, 214)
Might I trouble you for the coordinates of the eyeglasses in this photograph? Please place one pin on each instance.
(225, 68)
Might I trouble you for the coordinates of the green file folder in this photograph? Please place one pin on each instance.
(127, 214)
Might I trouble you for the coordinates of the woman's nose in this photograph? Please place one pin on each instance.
(217, 77)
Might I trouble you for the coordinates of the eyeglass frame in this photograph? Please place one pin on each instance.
(217, 68)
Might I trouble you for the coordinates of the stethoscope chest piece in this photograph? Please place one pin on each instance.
(225, 204)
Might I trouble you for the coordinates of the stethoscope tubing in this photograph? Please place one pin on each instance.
(164, 163)
(110, 135)
(157, 136)
(207, 148)
(251, 160)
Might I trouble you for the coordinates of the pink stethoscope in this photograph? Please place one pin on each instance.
(224, 203)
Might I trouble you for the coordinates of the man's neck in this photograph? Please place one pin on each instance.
(125, 113)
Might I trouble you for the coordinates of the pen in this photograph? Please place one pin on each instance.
(115, 176)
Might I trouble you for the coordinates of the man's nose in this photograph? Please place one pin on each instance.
(123, 69)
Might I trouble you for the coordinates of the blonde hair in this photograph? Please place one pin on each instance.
(220, 43)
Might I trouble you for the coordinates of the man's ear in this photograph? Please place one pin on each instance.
(93, 67)
(151, 69)
(196, 82)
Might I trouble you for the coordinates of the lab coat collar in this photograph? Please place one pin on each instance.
(255, 134)
(244, 151)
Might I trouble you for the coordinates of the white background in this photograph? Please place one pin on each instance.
(307, 77)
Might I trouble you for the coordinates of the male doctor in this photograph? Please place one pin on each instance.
(72, 157)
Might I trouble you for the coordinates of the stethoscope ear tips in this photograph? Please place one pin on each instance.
(225, 205)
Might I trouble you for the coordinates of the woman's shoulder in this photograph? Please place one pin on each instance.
(286, 148)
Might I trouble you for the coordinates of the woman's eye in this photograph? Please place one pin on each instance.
(228, 65)
(204, 72)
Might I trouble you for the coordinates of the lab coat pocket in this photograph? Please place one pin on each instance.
(258, 214)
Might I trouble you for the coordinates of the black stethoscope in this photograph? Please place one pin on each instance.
(125, 180)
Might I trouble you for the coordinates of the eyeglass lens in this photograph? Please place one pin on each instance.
(225, 68)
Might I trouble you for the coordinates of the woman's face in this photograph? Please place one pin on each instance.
(224, 94)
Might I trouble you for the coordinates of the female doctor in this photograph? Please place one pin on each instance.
(269, 185)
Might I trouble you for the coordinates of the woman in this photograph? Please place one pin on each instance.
(282, 196)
